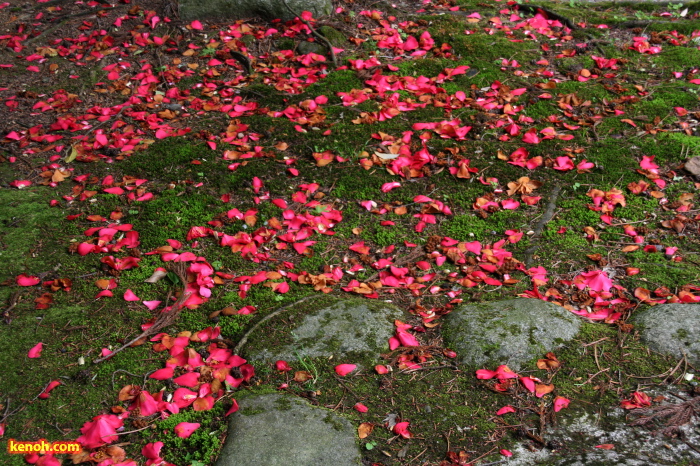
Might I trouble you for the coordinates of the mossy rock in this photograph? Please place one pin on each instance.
(672, 329)
(337, 328)
(307, 47)
(511, 332)
(335, 37)
(280, 430)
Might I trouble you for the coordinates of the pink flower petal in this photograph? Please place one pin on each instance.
(381, 369)
(35, 352)
(560, 403)
(282, 366)
(505, 410)
(344, 369)
(359, 407)
(188, 380)
(152, 304)
(485, 374)
(45, 394)
(152, 450)
(386, 187)
(104, 294)
(233, 408)
(26, 280)
(401, 428)
(528, 383)
(130, 296)
(185, 429)
(163, 374)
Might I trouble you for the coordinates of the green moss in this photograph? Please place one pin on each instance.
(202, 445)
(28, 230)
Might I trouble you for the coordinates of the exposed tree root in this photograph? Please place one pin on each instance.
(276, 312)
(163, 320)
(546, 217)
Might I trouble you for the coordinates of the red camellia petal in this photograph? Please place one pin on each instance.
(528, 383)
(485, 374)
(35, 352)
(381, 369)
(25, 280)
(53, 384)
(505, 410)
(152, 450)
(233, 409)
(185, 429)
(560, 403)
(401, 428)
(130, 296)
(344, 369)
(188, 380)
(506, 453)
(100, 431)
(282, 366)
(162, 374)
(361, 408)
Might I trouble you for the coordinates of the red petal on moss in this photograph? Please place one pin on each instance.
(26, 280)
(560, 403)
(45, 394)
(130, 296)
(401, 428)
(35, 352)
(361, 408)
(344, 369)
(162, 374)
(185, 429)
(505, 410)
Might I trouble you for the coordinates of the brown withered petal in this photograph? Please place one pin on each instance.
(365, 429)
(302, 376)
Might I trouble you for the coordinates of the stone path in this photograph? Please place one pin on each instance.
(274, 429)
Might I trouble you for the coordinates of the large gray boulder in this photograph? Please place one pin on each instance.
(508, 332)
(338, 328)
(279, 430)
(240, 9)
(672, 329)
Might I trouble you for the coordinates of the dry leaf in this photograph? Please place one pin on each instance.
(302, 376)
(365, 429)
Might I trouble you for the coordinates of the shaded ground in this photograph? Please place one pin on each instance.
(571, 173)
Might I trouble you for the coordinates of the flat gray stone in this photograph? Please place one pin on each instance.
(672, 329)
(280, 430)
(239, 9)
(339, 329)
(508, 332)
(578, 433)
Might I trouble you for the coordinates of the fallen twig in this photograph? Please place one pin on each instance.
(164, 319)
(274, 313)
(546, 217)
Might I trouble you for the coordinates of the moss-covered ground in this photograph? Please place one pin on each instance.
(615, 116)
